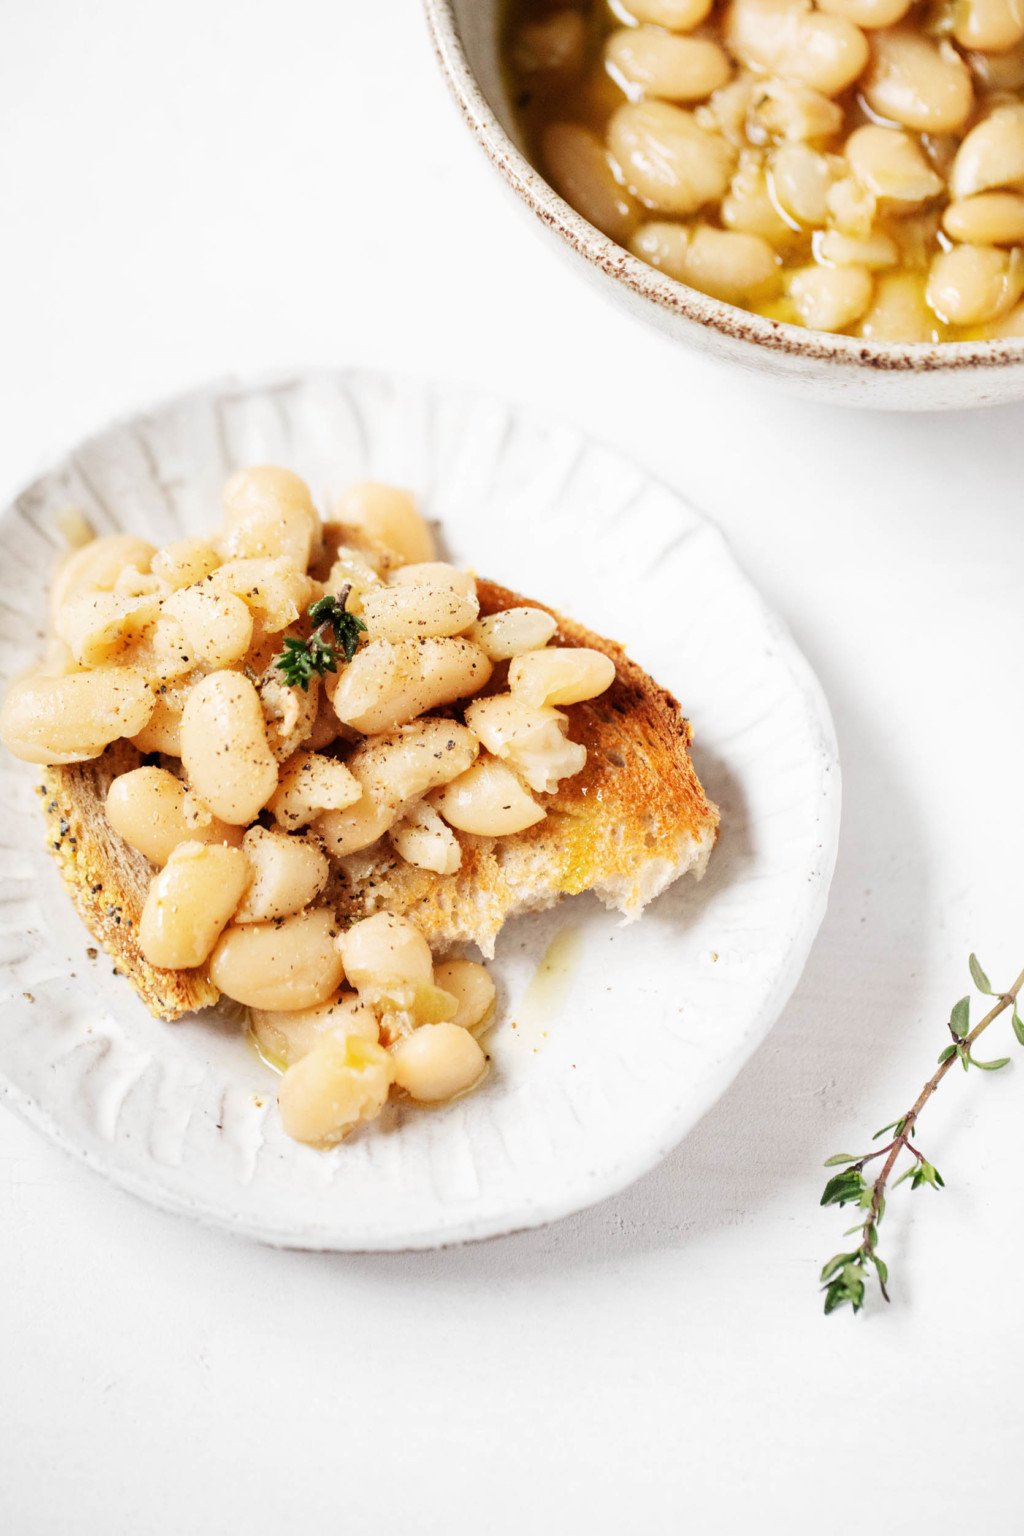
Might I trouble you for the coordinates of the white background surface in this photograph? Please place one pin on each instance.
(190, 190)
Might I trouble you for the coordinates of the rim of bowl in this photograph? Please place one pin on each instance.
(648, 283)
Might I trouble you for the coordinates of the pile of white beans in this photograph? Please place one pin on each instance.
(852, 166)
(258, 792)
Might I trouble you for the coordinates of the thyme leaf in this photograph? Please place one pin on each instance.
(335, 638)
(845, 1277)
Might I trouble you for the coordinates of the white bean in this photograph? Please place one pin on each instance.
(265, 488)
(284, 1037)
(287, 873)
(830, 298)
(992, 154)
(388, 517)
(972, 284)
(667, 160)
(287, 535)
(891, 165)
(310, 784)
(1000, 71)
(487, 800)
(852, 208)
(435, 573)
(785, 109)
(511, 631)
(748, 207)
(384, 953)
(867, 13)
(473, 988)
(152, 811)
(1007, 326)
(288, 964)
(677, 15)
(353, 570)
(131, 582)
(162, 731)
(438, 1061)
(189, 902)
(533, 741)
(95, 566)
(994, 26)
(898, 311)
(788, 38)
(835, 249)
(988, 218)
(728, 111)
(184, 562)
(413, 611)
(661, 64)
(403, 765)
(387, 684)
(217, 626)
(565, 675)
(552, 45)
(724, 263)
(423, 839)
(357, 827)
(339, 1084)
(224, 747)
(102, 628)
(276, 592)
(921, 84)
(578, 167)
(800, 179)
(269, 513)
(71, 719)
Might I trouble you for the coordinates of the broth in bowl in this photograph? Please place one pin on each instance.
(854, 167)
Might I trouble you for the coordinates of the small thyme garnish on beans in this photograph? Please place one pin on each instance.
(845, 1276)
(335, 635)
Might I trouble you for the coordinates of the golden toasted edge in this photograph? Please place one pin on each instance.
(107, 880)
(638, 756)
(634, 706)
(632, 822)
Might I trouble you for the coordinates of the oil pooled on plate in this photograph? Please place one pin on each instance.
(548, 987)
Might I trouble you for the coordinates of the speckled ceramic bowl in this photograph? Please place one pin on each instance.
(842, 369)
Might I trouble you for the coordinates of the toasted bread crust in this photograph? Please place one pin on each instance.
(107, 880)
(632, 821)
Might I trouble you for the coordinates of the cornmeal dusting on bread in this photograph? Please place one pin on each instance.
(294, 763)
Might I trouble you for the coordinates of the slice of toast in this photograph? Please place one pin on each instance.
(629, 824)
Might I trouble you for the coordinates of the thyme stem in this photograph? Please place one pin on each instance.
(844, 1276)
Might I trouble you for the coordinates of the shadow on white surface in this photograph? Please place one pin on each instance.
(774, 1126)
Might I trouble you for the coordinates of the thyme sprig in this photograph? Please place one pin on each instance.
(846, 1275)
(335, 635)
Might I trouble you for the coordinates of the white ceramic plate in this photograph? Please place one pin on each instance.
(628, 1034)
